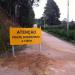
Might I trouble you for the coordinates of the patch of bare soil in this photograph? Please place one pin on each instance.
(38, 64)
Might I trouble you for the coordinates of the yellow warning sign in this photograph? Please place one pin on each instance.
(22, 36)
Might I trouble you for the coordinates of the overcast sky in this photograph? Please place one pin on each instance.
(62, 4)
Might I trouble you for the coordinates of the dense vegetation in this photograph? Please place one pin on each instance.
(61, 32)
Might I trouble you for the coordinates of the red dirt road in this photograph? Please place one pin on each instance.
(56, 57)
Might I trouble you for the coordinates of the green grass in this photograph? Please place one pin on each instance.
(61, 32)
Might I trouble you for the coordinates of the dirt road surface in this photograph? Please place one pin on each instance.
(52, 57)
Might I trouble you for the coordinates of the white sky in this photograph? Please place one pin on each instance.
(39, 10)
(62, 4)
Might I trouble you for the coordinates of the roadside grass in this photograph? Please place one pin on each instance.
(61, 32)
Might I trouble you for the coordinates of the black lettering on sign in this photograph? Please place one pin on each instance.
(33, 32)
(26, 41)
(18, 32)
(16, 37)
(23, 32)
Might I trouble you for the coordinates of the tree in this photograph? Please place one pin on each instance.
(52, 13)
(20, 10)
(25, 14)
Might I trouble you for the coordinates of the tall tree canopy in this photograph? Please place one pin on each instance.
(51, 13)
(20, 10)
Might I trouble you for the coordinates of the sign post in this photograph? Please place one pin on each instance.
(41, 40)
(13, 51)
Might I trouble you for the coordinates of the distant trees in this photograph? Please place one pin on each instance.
(20, 10)
(52, 13)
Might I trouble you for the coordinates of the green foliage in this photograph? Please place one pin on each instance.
(72, 34)
(20, 10)
(61, 32)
